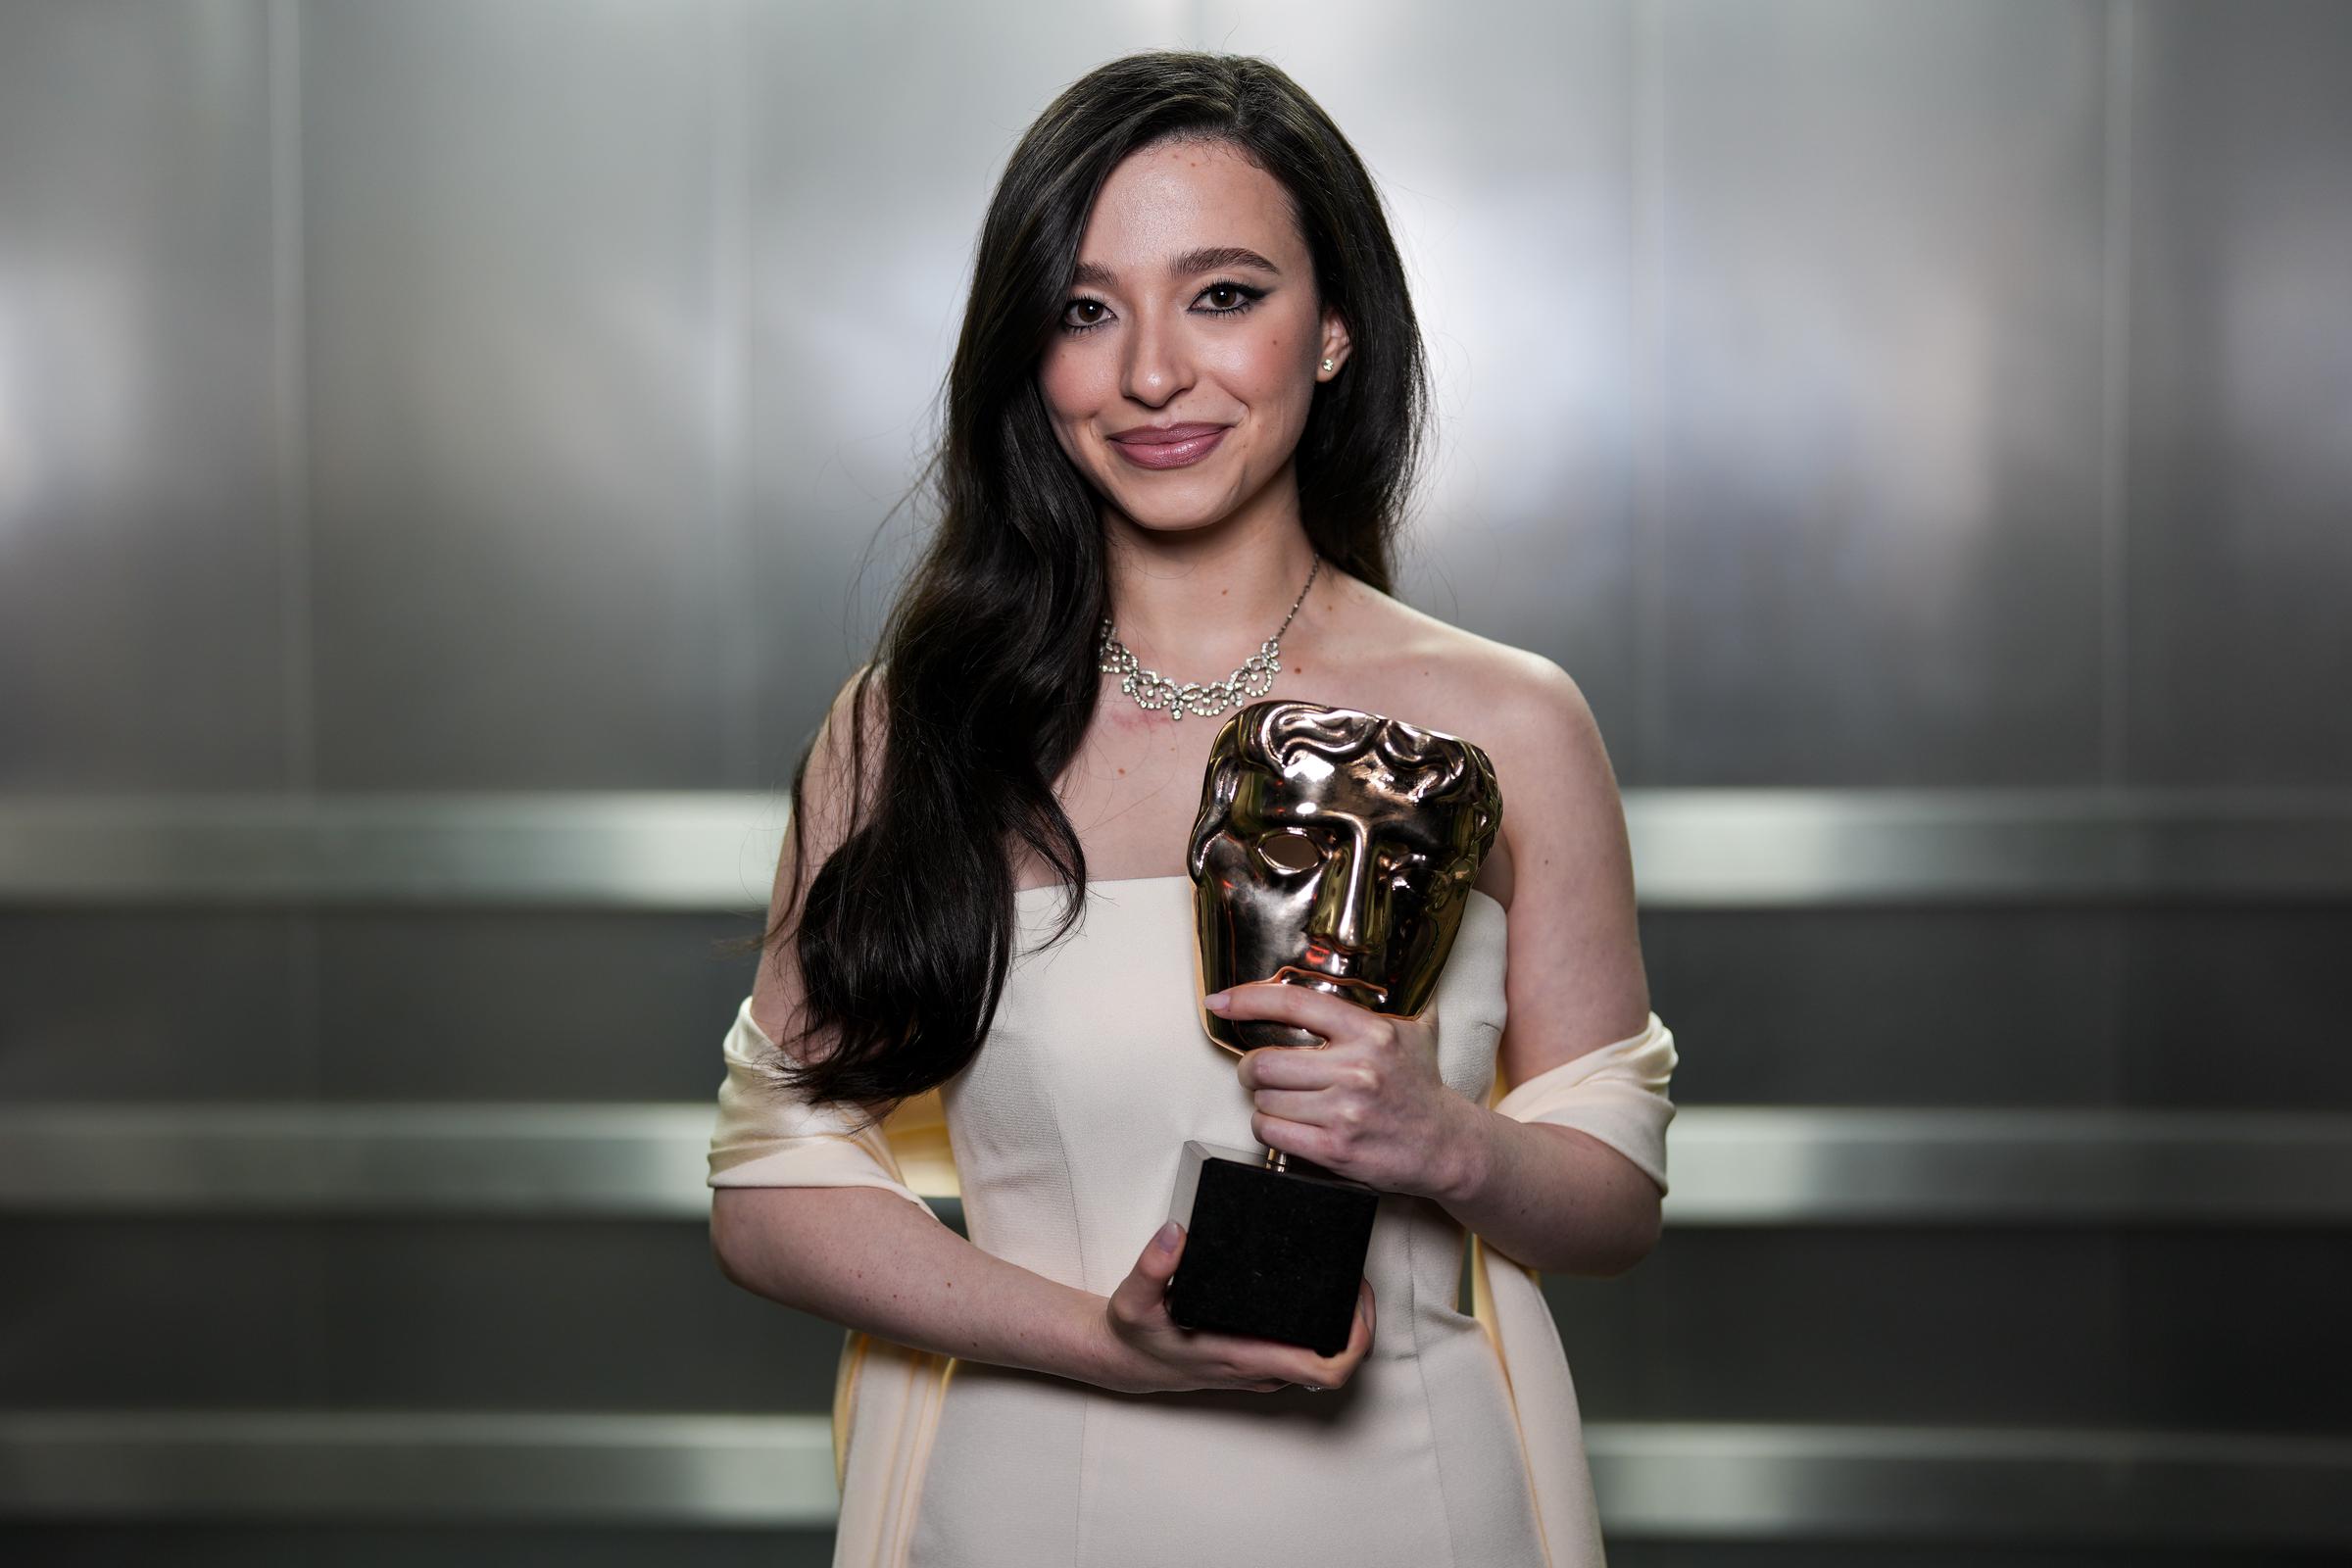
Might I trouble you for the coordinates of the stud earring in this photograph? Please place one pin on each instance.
(1327, 364)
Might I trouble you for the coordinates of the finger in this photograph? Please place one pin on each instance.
(1309, 1105)
(1329, 1371)
(1254, 1355)
(1316, 1012)
(1291, 1067)
(1146, 1287)
(1304, 1366)
(1161, 1253)
(1359, 1329)
(1303, 1139)
(1333, 1369)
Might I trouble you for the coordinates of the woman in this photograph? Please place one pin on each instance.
(1184, 415)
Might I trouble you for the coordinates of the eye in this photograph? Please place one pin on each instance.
(1291, 853)
(1404, 869)
(1244, 295)
(1243, 298)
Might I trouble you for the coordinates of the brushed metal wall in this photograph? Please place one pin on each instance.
(1882, 395)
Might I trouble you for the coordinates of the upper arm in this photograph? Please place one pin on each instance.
(835, 777)
(1575, 980)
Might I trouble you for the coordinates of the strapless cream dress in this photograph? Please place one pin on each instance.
(1458, 1441)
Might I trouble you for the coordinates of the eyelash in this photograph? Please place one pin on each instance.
(1249, 297)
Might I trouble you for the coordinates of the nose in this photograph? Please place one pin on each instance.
(1157, 367)
(1346, 900)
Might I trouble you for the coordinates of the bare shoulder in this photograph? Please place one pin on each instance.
(1509, 699)
(1563, 865)
(848, 748)
(842, 766)
(1560, 802)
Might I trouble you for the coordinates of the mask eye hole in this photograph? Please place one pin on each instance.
(1290, 852)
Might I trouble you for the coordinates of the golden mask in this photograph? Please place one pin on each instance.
(1334, 850)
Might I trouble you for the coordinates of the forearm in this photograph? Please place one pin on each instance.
(1555, 1199)
(866, 1258)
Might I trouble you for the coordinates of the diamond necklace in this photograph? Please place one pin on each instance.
(1153, 691)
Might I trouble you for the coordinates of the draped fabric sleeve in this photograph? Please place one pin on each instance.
(886, 1396)
(765, 1138)
(1617, 1094)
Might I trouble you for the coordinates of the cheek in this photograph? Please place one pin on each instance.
(1262, 367)
(1067, 383)
(1270, 370)
(1061, 386)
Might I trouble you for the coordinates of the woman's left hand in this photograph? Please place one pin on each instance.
(1367, 1104)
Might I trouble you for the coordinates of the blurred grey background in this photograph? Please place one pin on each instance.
(444, 457)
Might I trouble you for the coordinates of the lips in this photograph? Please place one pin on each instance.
(1170, 448)
(1363, 992)
(1151, 436)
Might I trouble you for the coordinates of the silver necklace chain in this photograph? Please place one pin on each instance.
(1153, 691)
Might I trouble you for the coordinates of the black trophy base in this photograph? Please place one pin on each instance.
(1279, 1255)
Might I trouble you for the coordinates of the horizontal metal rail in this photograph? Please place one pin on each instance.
(1729, 1166)
(1766, 1481)
(1748, 1482)
(716, 851)
(626, 851)
(699, 1470)
(1776, 1166)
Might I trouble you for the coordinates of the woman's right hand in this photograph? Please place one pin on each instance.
(1154, 1354)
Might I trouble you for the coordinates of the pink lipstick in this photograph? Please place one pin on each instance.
(1170, 446)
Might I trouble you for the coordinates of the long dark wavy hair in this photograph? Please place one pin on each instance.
(987, 660)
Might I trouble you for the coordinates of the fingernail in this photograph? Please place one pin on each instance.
(1217, 1003)
(1165, 1241)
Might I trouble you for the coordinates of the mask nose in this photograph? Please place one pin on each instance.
(1348, 903)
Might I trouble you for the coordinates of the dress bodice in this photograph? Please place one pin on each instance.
(1097, 1069)
(1068, 1128)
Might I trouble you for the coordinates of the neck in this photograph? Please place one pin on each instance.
(1193, 604)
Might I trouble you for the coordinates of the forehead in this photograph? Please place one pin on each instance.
(1363, 790)
(1180, 195)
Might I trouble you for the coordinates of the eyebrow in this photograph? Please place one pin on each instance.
(1208, 259)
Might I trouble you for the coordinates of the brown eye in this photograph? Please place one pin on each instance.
(1288, 852)
(1244, 297)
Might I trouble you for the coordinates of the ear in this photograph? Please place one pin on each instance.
(1336, 344)
(1218, 787)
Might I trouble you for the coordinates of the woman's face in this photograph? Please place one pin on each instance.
(1193, 305)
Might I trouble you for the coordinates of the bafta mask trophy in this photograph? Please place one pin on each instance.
(1334, 850)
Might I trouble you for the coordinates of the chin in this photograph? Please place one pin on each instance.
(1162, 521)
